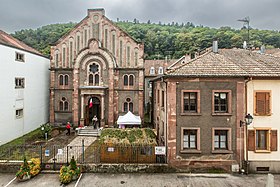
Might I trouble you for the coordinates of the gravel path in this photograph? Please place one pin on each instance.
(74, 148)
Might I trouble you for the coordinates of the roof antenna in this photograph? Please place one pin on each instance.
(246, 22)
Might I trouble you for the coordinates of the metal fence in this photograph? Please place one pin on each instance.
(52, 157)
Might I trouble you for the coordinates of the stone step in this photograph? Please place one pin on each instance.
(88, 132)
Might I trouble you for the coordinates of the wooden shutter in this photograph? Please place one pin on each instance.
(251, 140)
(262, 103)
(273, 140)
(267, 103)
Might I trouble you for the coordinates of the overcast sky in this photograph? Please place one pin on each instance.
(24, 14)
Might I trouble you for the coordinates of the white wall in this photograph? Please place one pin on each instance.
(34, 98)
(272, 121)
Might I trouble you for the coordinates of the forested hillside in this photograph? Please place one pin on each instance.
(172, 40)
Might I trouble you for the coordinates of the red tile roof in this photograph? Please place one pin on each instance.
(8, 40)
(230, 62)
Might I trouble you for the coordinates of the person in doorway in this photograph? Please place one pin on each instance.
(94, 121)
(68, 127)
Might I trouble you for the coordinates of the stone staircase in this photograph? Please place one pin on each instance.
(88, 131)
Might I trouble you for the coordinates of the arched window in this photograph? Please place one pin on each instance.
(131, 80)
(96, 79)
(66, 79)
(61, 81)
(121, 53)
(90, 79)
(66, 106)
(63, 104)
(125, 80)
(56, 58)
(94, 74)
(128, 105)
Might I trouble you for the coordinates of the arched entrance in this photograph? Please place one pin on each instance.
(93, 110)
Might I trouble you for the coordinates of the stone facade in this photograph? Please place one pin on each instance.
(168, 109)
(96, 62)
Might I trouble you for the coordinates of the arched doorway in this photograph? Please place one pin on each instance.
(93, 110)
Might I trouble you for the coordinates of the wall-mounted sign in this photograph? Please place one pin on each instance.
(59, 152)
(47, 152)
(160, 150)
(110, 149)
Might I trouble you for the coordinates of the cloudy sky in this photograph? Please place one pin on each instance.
(24, 14)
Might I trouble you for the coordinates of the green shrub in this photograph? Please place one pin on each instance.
(69, 173)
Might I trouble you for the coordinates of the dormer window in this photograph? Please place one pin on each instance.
(160, 70)
(152, 71)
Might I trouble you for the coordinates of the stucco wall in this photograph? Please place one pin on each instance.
(33, 98)
(271, 121)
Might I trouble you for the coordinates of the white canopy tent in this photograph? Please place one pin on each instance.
(128, 119)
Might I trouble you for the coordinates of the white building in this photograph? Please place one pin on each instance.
(263, 96)
(24, 88)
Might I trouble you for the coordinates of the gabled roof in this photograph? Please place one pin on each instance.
(87, 17)
(10, 41)
(230, 63)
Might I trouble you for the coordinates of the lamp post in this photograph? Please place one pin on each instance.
(248, 121)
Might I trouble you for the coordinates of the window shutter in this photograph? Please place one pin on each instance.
(251, 140)
(260, 103)
(273, 140)
(267, 103)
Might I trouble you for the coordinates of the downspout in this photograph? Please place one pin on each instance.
(246, 127)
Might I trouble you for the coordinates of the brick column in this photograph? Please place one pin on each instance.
(75, 97)
(51, 106)
(102, 111)
(82, 110)
(240, 115)
(171, 121)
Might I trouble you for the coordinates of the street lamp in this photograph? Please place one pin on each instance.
(248, 121)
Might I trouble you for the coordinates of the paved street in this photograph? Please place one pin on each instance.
(144, 179)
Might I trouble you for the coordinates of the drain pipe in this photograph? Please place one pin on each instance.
(246, 127)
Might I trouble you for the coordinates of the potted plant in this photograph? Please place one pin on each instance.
(69, 173)
(74, 169)
(23, 173)
(35, 166)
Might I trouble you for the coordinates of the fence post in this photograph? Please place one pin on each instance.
(67, 155)
(83, 150)
(41, 156)
(54, 164)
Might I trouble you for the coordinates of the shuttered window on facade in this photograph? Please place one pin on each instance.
(262, 103)
(262, 140)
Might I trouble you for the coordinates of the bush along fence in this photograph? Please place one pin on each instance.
(53, 157)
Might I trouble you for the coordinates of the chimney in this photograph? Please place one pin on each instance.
(244, 45)
(262, 49)
(215, 46)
